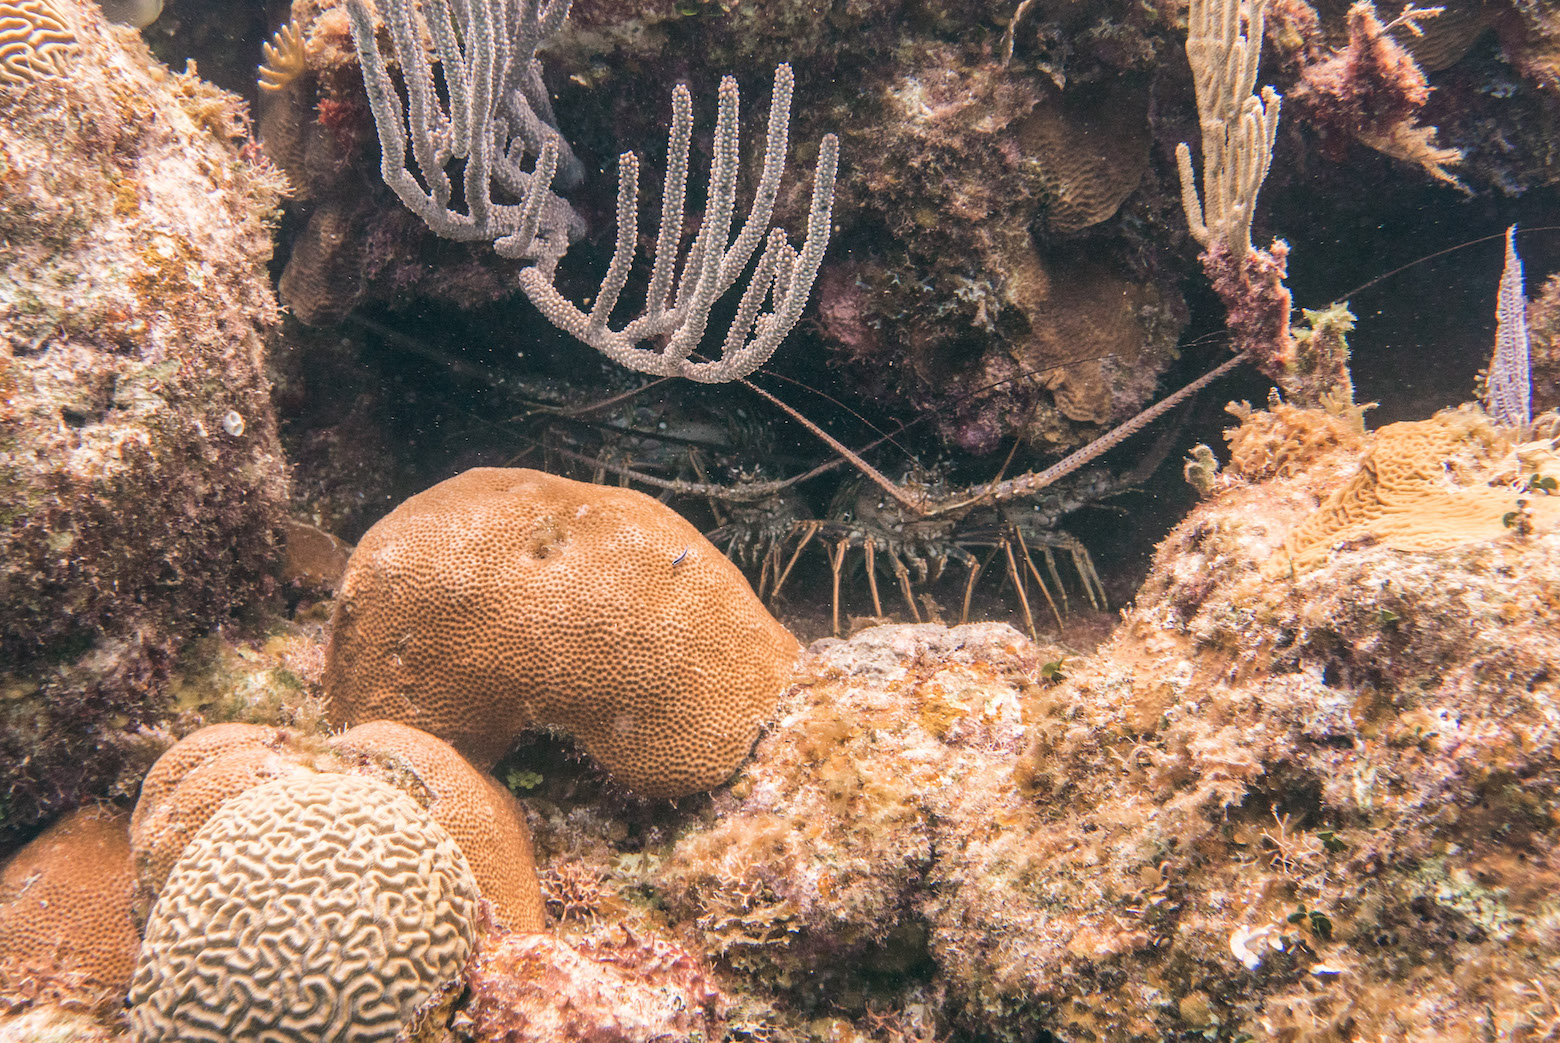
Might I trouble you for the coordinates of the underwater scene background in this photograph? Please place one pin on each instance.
(1021, 522)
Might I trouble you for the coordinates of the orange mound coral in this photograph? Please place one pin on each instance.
(200, 774)
(502, 599)
(65, 926)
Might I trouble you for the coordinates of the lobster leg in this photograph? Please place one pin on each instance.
(764, 572)
(877, 604)
(837, 560)
(975, 568)
(1056, 577)
(1018, 585)
(904, 585)
(1024, 547)
(810, 529)
(1084, 563)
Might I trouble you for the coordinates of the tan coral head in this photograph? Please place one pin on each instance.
(502, 600)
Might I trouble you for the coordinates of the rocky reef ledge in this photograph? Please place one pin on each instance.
(1305, 791)
(1283, 801)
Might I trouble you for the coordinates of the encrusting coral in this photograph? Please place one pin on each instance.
(66, 934)
(1544, 341)
(1407, 495)
(270, 926)
(1306, 806)
(505, 599)
(1008, 334)
(823, 862)
(141, 481)
(611, 987)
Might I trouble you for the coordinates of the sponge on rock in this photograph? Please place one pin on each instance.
(506, 599)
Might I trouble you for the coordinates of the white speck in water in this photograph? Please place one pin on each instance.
(233, 422)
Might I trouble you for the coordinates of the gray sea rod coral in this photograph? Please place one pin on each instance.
(308, 908)
(498, 113)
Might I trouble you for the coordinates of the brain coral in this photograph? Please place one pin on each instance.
(35, 42)
(65, 926)
(505, 599)
(189, 783)
(307, 908)
(482, 816)
(201, 772)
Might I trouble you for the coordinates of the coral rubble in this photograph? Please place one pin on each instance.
(141, 482)
(609, 988)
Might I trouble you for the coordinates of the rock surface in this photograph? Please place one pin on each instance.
(141, 482)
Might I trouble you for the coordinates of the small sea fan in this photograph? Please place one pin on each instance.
(1508, 387)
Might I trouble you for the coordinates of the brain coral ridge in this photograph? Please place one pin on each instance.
(307, 908)
(36, 42)
(502, 600)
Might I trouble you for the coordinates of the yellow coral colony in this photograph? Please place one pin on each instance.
(286, 56)
(36, 43)
(1425, 486)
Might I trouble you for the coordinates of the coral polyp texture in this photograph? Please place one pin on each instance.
(66, 934)
(307, 908)
(199, 774)
(507, 599)
(135, 511)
